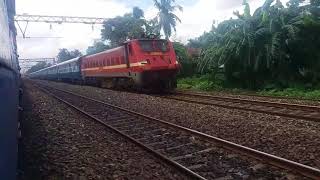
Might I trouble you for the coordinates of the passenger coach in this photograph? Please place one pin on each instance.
(9, 92)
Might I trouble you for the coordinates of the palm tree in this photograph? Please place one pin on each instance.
(166, 18)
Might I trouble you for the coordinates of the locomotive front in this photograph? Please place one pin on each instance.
(155, 61)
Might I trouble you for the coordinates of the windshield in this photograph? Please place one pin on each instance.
(154, 46)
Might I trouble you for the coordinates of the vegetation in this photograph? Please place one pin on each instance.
(97, 47)
(293, 92)
(197, 82)
(188, 65)
(166, 18)
(38, 66)
(134, 25)
(64, 54)
(263, 50)
(207, 83)
(122, 28)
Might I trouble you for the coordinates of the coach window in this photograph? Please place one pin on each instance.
(117, 61)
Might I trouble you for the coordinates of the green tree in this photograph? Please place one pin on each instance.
(265, 48)
(97, 47)
(122, 28)
(188, 67)
(64, 54)
(137, 13)
(294, 3)
(38, 66)
(166, 18)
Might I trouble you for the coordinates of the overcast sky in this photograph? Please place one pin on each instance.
(196, 17)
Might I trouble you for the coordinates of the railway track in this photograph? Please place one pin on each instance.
(305, 112)
(253, 94)
(198, 155)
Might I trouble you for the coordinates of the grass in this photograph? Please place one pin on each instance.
(293, 93)
(201, 83)
(205, 83)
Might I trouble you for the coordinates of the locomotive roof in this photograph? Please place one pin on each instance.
(68, 61)
(106, 51)
(145, 39)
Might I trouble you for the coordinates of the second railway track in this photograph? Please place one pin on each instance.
(197, 154)
(305, 112)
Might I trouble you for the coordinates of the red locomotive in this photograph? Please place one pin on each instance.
(143, 63)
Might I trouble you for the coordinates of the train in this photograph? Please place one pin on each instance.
(138, 63)
(10, 92)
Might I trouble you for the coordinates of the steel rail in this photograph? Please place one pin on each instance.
(259, 96)
(273, 160)
(259, 103)
(180, 167)
(281, 97)
(265, 103)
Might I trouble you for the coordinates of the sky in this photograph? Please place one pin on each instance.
(197, 17)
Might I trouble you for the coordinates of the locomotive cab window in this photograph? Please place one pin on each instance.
(154, 46)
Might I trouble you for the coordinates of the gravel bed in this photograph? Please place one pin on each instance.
(259, 98)
(215, 163)
(294, 139)
(59, 143)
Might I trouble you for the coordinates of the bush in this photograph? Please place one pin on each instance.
(204, 83)
(188, 66)
(293, 92)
